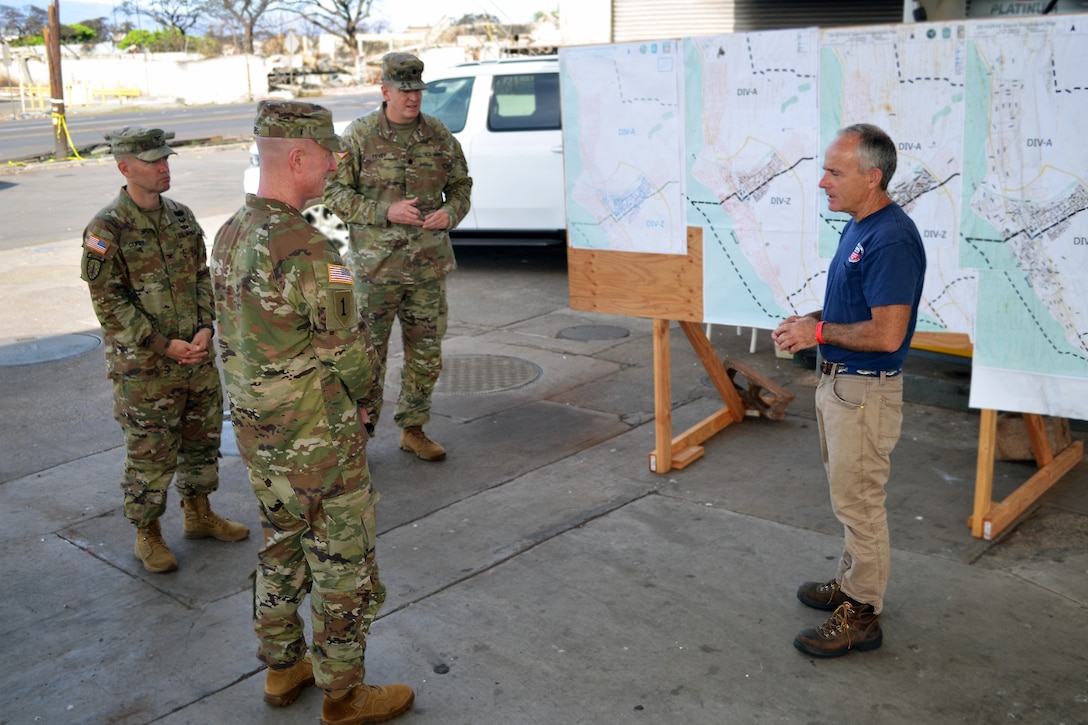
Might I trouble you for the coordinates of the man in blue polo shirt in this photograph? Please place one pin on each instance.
(870, 309)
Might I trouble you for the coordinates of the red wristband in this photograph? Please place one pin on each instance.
(820, 332)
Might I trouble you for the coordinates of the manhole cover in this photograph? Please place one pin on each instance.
(476, 374)
(46, 349)
(593, 332)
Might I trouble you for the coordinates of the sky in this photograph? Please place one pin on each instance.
(399, 13)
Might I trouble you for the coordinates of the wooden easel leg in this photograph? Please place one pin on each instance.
(661, 458)
(984, 474)
(685, 449)
(714, 369)
(989, 518)
(1040, 443)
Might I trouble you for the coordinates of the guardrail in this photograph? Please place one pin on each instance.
(119, 93)
(36, 98)
(31, 97)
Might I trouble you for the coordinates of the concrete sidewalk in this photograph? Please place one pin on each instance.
(541, 574)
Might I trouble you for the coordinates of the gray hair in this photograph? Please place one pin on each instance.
(875, 150)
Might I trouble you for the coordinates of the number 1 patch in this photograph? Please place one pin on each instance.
(340, 310)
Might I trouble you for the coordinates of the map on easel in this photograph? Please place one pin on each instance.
(753, 169)
(1025, 213)
(987, 116)
(623, 126)
(909, 80)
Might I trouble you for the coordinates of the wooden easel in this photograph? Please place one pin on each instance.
(663, 287)
(991, 518)
(684, 449)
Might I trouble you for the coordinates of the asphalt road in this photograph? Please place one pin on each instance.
(53, 202)
(32, 137)
(46, 202)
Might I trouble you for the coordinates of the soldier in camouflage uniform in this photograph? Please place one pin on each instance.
(300, 374)
(145, 264)
(401, 186)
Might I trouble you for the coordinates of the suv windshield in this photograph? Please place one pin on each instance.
(448, 100)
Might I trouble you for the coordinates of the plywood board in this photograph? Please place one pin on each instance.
(659, 286)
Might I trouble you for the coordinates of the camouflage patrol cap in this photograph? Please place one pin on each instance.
(404, 71)
(146, 144)
(296, 119)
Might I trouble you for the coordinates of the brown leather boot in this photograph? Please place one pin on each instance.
(821, 595)
(283, 686)
(365, 704)
(153, 551)
(850, 627)
(413, 439)
(201, 522)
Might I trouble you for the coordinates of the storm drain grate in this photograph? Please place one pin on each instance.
(593, 332)
(478, 374)
(47, 349)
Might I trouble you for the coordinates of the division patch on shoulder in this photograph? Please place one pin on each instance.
(92, 267)
(340, 310)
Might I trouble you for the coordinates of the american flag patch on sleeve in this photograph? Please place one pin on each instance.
(340, 274)
(97, 244)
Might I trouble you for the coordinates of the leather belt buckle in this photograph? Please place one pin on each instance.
(832, 368)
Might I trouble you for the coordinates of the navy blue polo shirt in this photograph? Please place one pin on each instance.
(880, 261)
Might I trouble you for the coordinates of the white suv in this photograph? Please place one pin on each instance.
(505, 113)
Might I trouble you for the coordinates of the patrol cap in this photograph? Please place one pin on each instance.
(404, 71)
(296, 119)
(146, 144)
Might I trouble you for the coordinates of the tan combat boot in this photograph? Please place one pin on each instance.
(201, 522)
(413, 439)
(153, 551)
(365, 703)
(282, 687)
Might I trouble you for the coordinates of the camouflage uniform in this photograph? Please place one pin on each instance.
(298, 363)
(149, 283)
(401, 269)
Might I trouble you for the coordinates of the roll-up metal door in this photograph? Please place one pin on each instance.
(652, 19)
(753, 15)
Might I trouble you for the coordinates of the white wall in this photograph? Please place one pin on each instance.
(173, 77)
(587, 22)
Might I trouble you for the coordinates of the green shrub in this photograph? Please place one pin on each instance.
(168, 41)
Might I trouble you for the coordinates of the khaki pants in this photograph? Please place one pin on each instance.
(860, 418)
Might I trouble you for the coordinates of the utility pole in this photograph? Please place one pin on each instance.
(51, 33)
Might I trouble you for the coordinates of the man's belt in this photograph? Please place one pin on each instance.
(832, 368)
